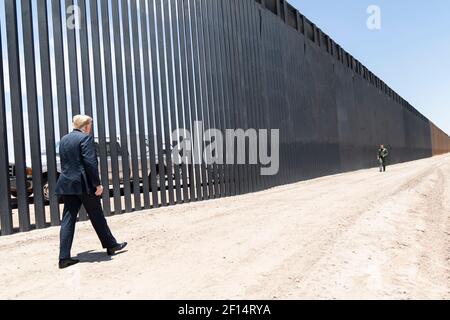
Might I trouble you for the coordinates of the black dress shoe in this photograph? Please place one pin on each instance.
(67, 263)
(116, 249)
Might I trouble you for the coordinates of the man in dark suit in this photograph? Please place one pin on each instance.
(79, 184)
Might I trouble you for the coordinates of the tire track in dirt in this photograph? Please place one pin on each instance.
(350, 235)
(324, 244)
(434, 261)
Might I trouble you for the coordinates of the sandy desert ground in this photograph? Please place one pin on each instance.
(361, 235)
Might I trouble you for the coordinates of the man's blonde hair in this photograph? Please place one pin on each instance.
(80, 122)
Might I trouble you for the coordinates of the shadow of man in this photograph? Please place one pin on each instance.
(94, 257)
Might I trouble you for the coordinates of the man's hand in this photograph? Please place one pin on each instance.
(99, 191)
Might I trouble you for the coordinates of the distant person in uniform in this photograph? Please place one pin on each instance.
(383, 153)
(79, 184)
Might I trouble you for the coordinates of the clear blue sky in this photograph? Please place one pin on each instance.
(411, 52)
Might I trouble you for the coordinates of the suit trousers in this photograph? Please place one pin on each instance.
(92, 204)
(383, 164)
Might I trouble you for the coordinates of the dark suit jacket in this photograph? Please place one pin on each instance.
(79, 165)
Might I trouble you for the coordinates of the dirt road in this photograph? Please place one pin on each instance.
(358, 235)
